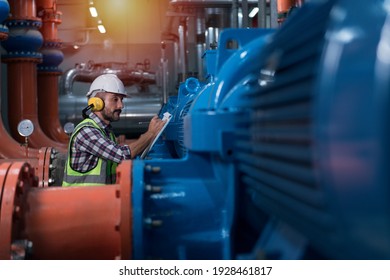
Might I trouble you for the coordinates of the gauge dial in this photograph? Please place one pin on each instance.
(25, 128)
(69, 127)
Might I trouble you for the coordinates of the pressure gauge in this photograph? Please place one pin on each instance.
(25, 128)
(68, 128)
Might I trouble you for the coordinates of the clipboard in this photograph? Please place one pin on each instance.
(166, 117)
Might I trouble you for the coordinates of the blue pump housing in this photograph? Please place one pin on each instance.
(281, 151)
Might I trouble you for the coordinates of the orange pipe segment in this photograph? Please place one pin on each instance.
(74, 222)
(23, 9)
(81, 222)
(48, 113)
(22, 102)
(284, 5)
(71, 223)
(48, 107)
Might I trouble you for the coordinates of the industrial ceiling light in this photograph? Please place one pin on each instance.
(101, 27)
(254, 11)
(92, 9)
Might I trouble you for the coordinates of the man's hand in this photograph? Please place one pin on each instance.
(155, 125)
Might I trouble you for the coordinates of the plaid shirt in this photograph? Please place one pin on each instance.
(89, 145)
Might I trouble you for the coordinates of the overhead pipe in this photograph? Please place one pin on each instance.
(87, 72)
(22, 58)
(64, 223)
(48, 71)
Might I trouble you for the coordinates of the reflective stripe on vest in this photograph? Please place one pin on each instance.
(103, 173)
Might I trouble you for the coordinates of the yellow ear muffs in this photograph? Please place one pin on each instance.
(95, 104)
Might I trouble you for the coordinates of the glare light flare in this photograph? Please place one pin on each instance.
(93, 12)
(254, 11)
(101, 28)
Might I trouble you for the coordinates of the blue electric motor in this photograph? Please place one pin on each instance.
(282, 154)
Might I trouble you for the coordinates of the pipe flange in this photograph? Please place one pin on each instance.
(45, 156)
(124, 180)
(24, 22)
(17, 179)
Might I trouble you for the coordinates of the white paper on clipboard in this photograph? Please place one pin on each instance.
(166, 117)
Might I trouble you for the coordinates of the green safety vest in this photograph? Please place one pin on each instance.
(103, 173)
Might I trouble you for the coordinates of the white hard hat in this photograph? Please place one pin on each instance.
(107, 83)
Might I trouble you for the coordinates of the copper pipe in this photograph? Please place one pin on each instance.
(22, 73)
(9, 147)
(74, 223)
(22, 102)
(48, 72)
(64, 223)
(47, 9)
(48, 113)
(284, 5)
(22, 9)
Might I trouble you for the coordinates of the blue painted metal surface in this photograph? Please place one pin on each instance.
(315, 152)
(184, 208)
(4, 13)
(286, 146)
(24, 39)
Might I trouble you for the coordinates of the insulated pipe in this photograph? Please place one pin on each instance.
(48, 71)
(22, 57)
(64, 223)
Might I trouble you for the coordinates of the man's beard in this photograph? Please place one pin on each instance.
(112, 116)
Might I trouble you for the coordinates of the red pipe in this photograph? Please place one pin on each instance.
(284, 5)
(22, 102)
(64, 223)
(22, 85)
(22, 9)
(48, 107)
(48, 79)
(74, 223)
(9, 148)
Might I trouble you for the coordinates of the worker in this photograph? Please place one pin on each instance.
(93, 151)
